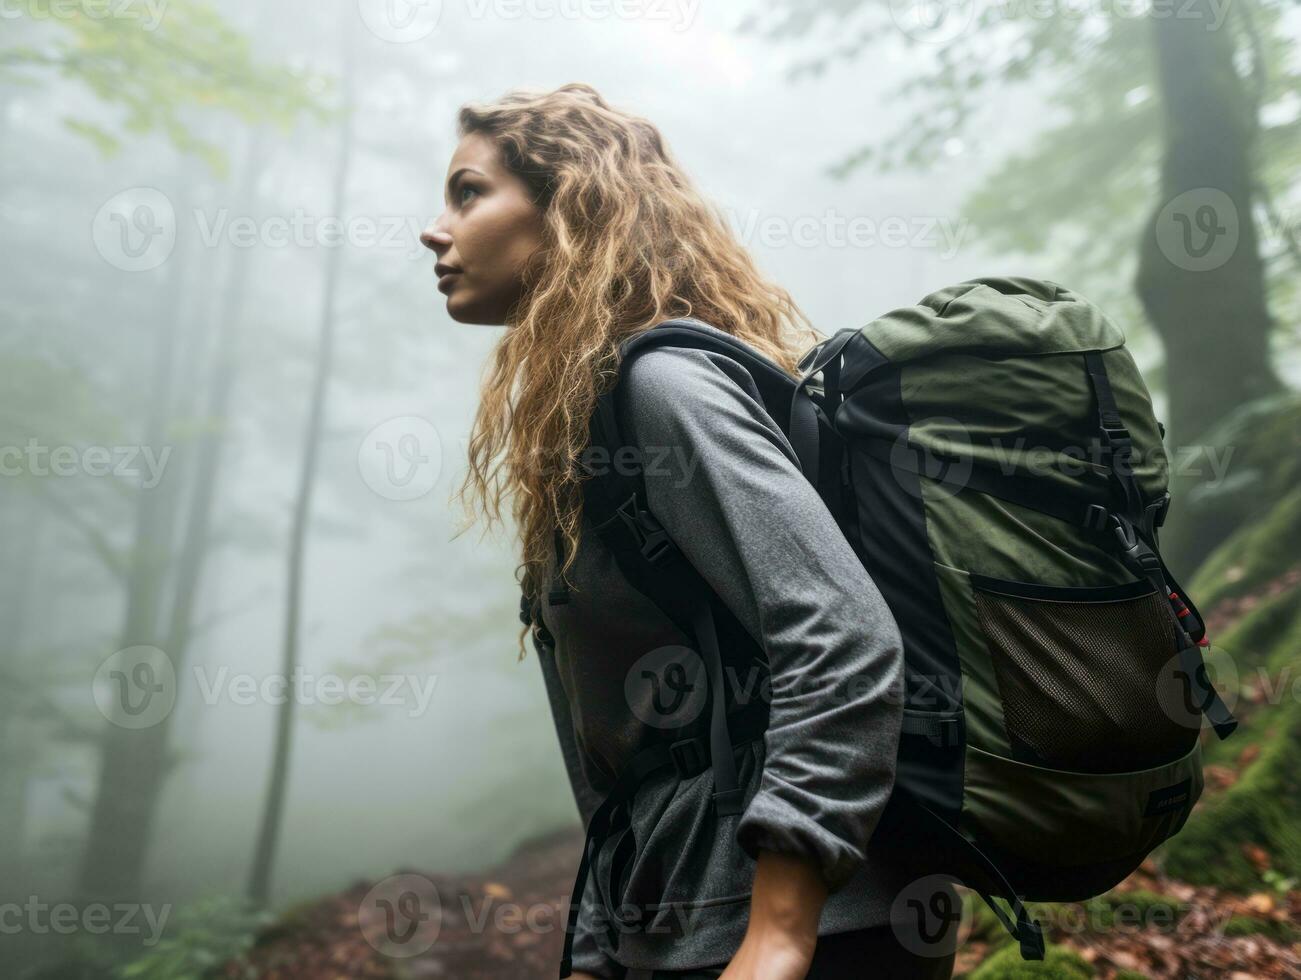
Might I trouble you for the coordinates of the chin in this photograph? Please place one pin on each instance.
(472, 320)
(462, 311)
(458, 310)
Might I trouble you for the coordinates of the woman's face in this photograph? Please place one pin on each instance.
(486, 236)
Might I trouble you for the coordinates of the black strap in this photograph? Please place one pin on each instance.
(656, 567)
(772, 380)
(1026, 930)
(727, 794)
(1029, 492)
(617, 483)
(1134, 530)
(942, 731)
(805, 414)
(689, 756)
(805, 434)
(1116, 439)
(560, 594)
(1198, 630)
(825, 353)
(643, 550)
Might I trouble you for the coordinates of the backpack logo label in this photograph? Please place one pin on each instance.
(1168, 798)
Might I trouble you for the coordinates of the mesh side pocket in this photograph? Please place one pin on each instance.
(1086, 675)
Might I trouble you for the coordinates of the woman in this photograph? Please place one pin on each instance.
(569, 221)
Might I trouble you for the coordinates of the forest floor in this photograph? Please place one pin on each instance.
(507, 924)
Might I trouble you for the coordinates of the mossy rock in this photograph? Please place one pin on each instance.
(1131, 975)
(1261, 549)
(1267, 636)
(1132, 911)
(1264, 437)
(1260, 808)
(1246, 925)
(1139, 909)
(1059, 963)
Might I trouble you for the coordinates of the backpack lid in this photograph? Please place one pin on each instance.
(1013, 316)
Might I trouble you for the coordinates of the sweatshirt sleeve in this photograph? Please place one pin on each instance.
(588, 957)
(726, 484)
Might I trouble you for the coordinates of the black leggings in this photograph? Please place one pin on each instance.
(872, 952)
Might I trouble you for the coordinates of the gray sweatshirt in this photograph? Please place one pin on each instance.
(727, 486)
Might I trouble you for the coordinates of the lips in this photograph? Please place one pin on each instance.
(445, 273)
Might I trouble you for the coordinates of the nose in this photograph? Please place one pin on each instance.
(435, 238)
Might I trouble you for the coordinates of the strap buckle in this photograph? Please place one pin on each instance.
(656, 545)
(1030, 935)
(690, 757)
(1096, 518)
(1133, 549)
(946, 732)
(1136, 553)
(1157, 510)
(1116, 438)
(811, 355)
(1115, 431)
(1126, 535)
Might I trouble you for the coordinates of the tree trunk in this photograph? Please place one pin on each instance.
(16, 750)
(1200, 276)
(259, 887)
(144, 753)
(116, 843)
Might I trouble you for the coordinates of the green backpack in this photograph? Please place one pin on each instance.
(992, 456)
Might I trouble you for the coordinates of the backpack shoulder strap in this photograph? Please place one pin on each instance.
(614, 499)
(776, 387)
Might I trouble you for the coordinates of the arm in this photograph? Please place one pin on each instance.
(782, 932)
(726, 484)
(589, 963)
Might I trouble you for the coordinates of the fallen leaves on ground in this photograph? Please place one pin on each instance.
(507, 924)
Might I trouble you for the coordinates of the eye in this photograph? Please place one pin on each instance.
(461, 192)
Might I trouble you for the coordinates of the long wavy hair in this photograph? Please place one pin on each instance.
(627, 243)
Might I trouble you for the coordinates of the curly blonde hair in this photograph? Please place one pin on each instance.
(627, 243)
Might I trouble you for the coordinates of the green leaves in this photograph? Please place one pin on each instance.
(163, 67)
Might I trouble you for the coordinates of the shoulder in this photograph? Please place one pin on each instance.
(686, 396)
(685, 381)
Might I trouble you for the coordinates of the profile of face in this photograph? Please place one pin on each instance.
(488, 233)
